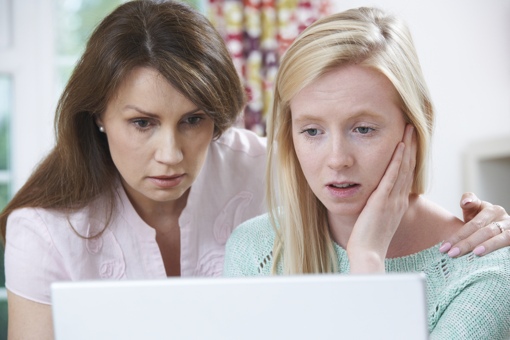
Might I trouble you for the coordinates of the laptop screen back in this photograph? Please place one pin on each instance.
(391, 306)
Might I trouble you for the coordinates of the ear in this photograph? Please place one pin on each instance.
(99, 121)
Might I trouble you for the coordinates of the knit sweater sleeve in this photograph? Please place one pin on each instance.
(476, 303)
(249, 249)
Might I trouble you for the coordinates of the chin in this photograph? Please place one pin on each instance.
(344, 209)
(166, 196)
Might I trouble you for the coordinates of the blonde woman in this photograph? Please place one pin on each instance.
(348, 144)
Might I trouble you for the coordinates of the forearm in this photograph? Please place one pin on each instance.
(28, 319)
(365, 262)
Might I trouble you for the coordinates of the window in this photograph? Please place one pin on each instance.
(5, 114)
(5, 128)
(75, 21)
(5, 176)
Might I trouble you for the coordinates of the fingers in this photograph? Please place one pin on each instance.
(391, 175)
(471, 205)
(387, 204)
(481, 233)
(395, 185)
(413, 146)
(477, 214)
(405, 177)
(500, 240)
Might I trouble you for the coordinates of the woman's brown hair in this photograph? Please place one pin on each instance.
(169, 37)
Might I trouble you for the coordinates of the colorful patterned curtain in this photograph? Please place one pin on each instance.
(257, 33)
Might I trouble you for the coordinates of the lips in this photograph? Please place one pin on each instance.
(163, 178)
(342, 185)
(167, 182)
(343, 189)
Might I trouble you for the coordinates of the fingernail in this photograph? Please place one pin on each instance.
(445, 247)
(467, 200)
(454, 252)
(479, 250)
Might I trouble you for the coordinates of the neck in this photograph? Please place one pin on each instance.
(158, 215)
(422, 226)
(341, 227)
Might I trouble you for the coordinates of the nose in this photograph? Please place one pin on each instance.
(340, 153)
(168, 149)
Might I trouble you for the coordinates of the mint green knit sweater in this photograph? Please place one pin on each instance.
(468, 297)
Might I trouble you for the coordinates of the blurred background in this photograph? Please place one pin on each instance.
(464, 48)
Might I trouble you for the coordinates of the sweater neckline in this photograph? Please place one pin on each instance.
(412, 262)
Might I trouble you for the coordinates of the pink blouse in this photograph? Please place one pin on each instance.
(42, 247)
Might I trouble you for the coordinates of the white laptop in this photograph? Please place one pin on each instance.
(391, 306)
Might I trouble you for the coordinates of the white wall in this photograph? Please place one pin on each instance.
(464, 49)
(28, 59)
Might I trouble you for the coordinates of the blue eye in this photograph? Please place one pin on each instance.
(141, 123)
(364, 130)
(311, 132)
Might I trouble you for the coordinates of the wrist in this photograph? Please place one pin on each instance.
(366, 261)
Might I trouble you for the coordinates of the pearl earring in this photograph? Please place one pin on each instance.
(101, 129)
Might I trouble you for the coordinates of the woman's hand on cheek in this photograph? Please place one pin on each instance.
(377, 223)
(486, 229)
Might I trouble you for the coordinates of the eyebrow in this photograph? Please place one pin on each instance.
(154, 115)
(361, 113)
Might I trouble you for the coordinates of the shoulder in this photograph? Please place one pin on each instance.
(258, 228)
(43, 231)
(497, 262)
(249, 248)
(495, 265)
(458, 295)
(36, 214)
(236, 160)
(241, 141)
(29, 221)
(467, 269)
(230, 188)
(54, 221)
(491, 270)
(32, 254)
(45, 245)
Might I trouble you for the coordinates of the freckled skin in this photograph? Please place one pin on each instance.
(345, 127)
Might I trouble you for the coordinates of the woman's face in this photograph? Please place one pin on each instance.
(158, 138)
(345, 128)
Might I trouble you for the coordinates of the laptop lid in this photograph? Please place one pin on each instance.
(390, 306)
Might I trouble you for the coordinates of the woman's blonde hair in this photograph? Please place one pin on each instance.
(365, 36)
